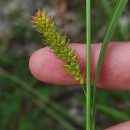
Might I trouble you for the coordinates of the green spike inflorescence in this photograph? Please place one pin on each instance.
(45, 26)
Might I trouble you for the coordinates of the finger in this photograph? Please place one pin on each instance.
(122, 126)
(115, 72)
(47, 68)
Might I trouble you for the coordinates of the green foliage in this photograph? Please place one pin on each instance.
(14, 15)
(20, 109)
(119, 8)
(113, 113)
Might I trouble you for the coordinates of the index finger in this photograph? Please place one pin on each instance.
(115, 72)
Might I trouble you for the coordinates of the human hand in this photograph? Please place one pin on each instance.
(115, 72)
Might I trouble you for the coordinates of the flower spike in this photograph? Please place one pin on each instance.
(58, 43)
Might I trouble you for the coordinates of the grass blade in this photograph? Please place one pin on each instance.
(49, 110)
(108, 10)
(113, 113)
(88, 79)
(107, 7)
(120, 5)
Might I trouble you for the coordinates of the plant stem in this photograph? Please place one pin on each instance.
(88, 79)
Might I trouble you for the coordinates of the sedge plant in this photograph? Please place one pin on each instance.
(58, 45)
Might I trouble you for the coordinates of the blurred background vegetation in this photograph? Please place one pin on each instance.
(27, 104)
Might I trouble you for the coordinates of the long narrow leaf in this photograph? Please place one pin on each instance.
(120, 5)
(113, 113)
(107, 7)
(108, 10)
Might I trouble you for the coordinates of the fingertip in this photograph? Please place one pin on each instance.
(35, 63)
(45, 67)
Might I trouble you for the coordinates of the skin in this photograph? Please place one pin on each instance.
(115, 72)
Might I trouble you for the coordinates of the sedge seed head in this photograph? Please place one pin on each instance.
(47, 28)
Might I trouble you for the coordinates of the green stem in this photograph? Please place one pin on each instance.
(88, 79)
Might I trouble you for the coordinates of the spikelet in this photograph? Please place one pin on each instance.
(47, 28)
